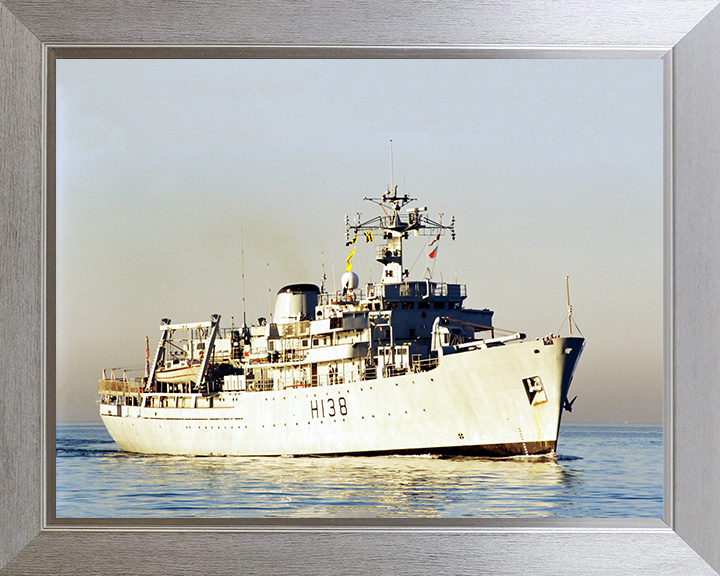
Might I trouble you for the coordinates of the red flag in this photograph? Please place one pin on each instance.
(434, 252)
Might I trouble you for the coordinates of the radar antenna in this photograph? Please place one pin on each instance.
(395, 227)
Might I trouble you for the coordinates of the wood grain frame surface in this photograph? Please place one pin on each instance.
(685, 33)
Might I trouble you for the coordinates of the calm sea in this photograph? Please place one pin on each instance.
(598, 472)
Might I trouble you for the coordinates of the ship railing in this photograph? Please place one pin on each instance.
(284, 383)
(287, 355)
(227, 333)
(120, 392)
(123, 374)
(260, 385)
(390, 370)
(119, 387)
(339, 297)
(417, 289)
(420, 364)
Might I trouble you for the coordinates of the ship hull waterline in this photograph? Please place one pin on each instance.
(498, 401)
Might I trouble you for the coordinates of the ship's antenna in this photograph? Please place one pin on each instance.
(392, 181)
(242, 260)
(322, 259)
(270, 310)
(567, 290)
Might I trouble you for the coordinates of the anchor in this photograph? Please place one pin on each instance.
(568, 405)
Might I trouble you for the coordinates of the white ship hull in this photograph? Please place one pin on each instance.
(306, 382)
(475, 402)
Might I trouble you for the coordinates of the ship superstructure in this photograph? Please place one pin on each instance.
(399, 367)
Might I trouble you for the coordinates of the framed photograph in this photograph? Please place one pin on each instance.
(243, 171)
(683, 35)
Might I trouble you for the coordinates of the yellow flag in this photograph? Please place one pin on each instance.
(368, 236)
(349, 259)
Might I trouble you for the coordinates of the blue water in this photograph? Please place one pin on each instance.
(598, 472)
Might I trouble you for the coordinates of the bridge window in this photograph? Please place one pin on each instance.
(454, 305)
(408, 305)
(438, 305)
(424, 304)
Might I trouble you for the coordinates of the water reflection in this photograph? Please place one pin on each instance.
(618, 474)
(344, 487)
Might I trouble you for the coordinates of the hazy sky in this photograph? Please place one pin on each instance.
(551, 168)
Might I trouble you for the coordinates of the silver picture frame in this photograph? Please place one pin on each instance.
(684, 33)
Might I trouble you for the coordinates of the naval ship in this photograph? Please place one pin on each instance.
(399, 367)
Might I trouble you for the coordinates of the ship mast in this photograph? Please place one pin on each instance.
(567, 289)
(395, 227)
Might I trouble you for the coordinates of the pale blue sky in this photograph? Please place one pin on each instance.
(551, 168)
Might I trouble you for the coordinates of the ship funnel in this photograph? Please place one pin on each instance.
(296, 302)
